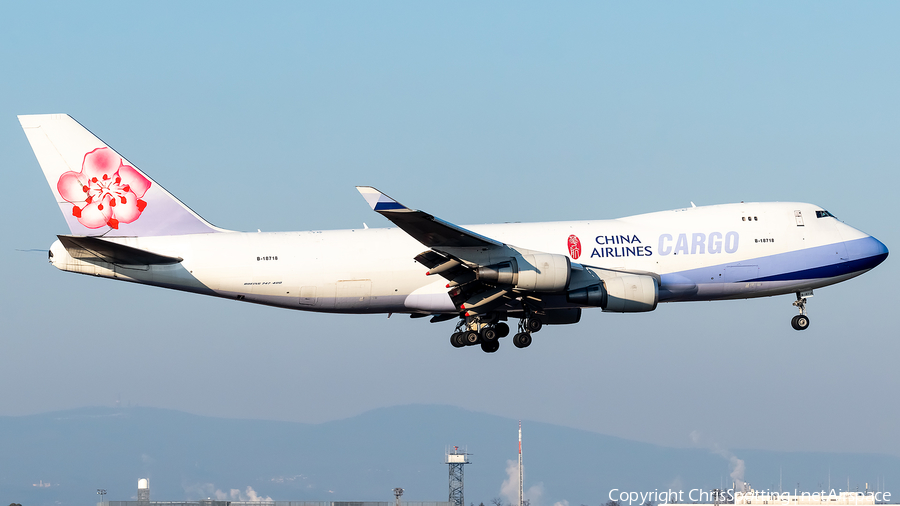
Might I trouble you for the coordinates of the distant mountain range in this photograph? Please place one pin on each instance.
(362, 458)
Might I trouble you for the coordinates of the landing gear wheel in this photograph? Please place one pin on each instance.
(502, 329)
(534, 324)
(490, 346)
(488, 335)
(456, 340)
(522, 340)
(800, 322)
(471, 337)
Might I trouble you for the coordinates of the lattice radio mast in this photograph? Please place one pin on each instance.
(456, 459)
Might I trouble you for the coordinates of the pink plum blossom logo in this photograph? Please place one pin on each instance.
(574, 244)
(105, 192)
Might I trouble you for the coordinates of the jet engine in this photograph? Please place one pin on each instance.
(623, 294)
(631, 294)
(539, 272)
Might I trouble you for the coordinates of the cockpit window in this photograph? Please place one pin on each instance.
(823, 214)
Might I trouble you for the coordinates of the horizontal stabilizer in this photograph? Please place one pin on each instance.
(94, 248)
(425, 228)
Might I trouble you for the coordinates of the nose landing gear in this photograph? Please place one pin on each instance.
(801, 321)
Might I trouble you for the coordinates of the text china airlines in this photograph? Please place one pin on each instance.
(628, 245)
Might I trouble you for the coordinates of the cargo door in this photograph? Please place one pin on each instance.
(739, 273)
(307, 295)
(353, 294)
(737, 279)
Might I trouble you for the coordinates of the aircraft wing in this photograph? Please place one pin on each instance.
(425, 228)
(457, 254)
(488, 275)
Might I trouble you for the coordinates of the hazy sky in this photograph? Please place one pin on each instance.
(265, 116)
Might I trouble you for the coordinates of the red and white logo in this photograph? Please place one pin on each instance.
(106, 192)
(574, 247)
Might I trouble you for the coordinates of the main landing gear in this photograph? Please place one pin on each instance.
(522, 340)
(475, 330)
(472, 330)
(526, 327)
(801, 321)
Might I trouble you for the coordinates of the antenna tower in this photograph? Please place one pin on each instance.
(521, 479)
(456, 459)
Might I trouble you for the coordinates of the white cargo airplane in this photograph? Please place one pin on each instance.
(125, 226)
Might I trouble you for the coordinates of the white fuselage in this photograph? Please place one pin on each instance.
(703, 253)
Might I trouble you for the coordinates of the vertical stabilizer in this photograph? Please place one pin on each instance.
(98, 191)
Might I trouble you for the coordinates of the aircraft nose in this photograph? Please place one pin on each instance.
(867, 252)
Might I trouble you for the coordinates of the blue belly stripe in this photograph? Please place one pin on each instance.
(828, 271)
(811, 263)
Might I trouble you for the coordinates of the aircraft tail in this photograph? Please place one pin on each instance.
(98, 191)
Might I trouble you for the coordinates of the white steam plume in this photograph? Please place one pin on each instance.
(234, 494)
(509, 490)
(737, 465)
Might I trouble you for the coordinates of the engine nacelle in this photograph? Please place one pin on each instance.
(540, 272)
(594, 295)
(504, 273)
(544, 272)
(623, 294)
(631, 294)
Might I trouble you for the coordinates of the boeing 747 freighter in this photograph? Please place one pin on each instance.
(123, 225)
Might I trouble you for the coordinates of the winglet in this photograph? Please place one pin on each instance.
(379, 201)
